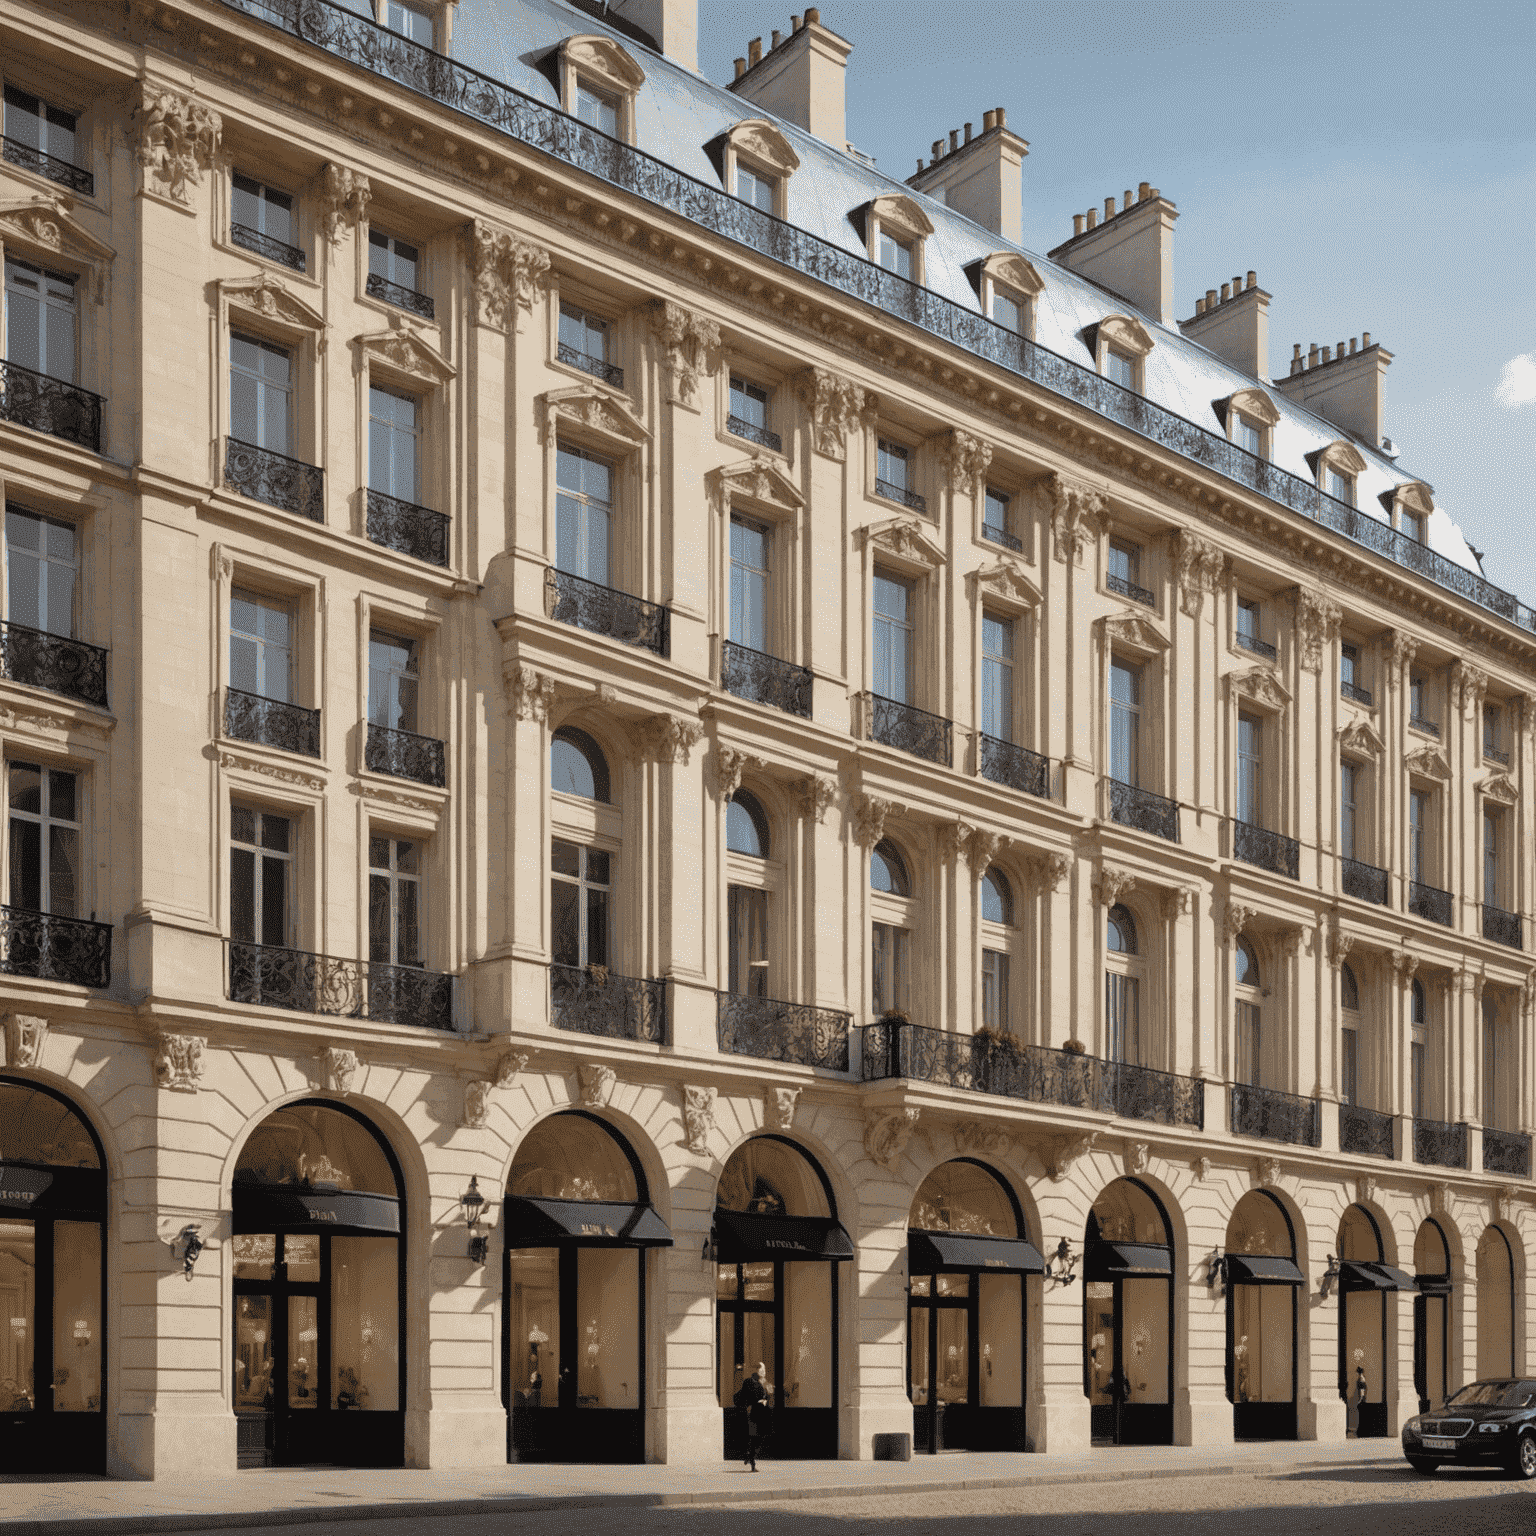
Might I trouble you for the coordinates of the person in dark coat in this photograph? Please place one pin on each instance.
(752, 1397)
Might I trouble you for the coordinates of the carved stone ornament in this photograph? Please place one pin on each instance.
(1291, 942)
(887, 1132)
(1338, 943)
(1261, 686)
(837, 406)
(1078, 515)
(759, 480)
(1176, 902)
(1109, 885)
(240, 763)
(1502, 1202)
(967, 459)
(982, 848)
(1404, 964)
(344, 198)
(698, 1118)
(178, 140)
(1428, 763)
(596, 413)
(1048, 870)
(1317, 624)
(1404, 649)
(691, 345)
(1199, 564)
(1064, 1152)
(24, 1036)
(1469, 686)
(596, 1083)
(477, 1104)
(1005, 582)
(1136, 1154)
(1440, 1198)
(1361, 737)
(953, 837)
(506, 272)
(405, 349)
(43, 223)
(530, 695)
(508, 1065)
(779, 1106)
(760, 140)
(179, 1061)
(1201, 1168)
(669, 738)
(817, 792)
(269, 296)
(730, 764)
(984, 1136)
(1269, 1171)
(1499, 787)
(1131, 632)
(905, 540)
(869, 813)
(337, 1069)
(1366, 1190)
(1237, 918)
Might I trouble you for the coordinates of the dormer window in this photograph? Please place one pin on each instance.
(1340, 486)
(755, 188)
(895, 228)
(1120, 368)
(597, 109)
(896, 255)
(412, 21)
(1249, 416)
(1121, 346)
(756, 162)
(1008, 286)
(1412, 526)
(1249, 436)
(598, 85)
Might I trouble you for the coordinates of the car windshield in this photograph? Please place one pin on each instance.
(1495, 1394)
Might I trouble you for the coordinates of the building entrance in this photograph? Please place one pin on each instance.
(1263, 1284)
(1431, 1315)
(1364, 1283)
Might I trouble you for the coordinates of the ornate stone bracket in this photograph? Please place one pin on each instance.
(817, 792)
(1366, 1190)
(692, 346)
(530, 694)
(179, 1061)
(1176, 902)
(1237, 918)
(1063, 1153)
(1404, 649)
(596, 1083)
(1200, 565)
(730, 764)
(506, 273)
(337, 1069)
(869, 813)
(887, 1132)
(669, 738)
(1079, 514)
(179, 139)
(1268, 1171)
(1201, 1168)
(508, 1065)
(967, 459)
(1136, 1155)
(698, 1118)
(1404, 964)
(1469, 687)
(1337, 943)
(779, 1106)
(477, 1104)
(1317, 624)
(344, 198)
(1109, 884)
(1047, 870)
(837, 407)
(24, 1034)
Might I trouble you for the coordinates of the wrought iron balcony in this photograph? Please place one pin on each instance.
(271, 722)
(1136, 594)
(404, 755)
(1366, 1132)
(50, 166)
(1496, 754)
(51, 948)
(602, 610)
(1506, 1152)
(1440, 1143)
(1364, 881)
(1257, 647)
(1501, 927)
(995, 535)
(31, 399)
(267, 248)
(774, 1031)
(273, 976)
(901, 496)
(596, 1001)
(598, 367)
(377, 287)
(1433, 905)
(55, 662)
(764, 679)
(739, 426)
(1275, 1116)
(1267, 850)
(1141, 809)
(408, 529)
(1429, 727)
(275, 479)
(1004, 763)
(1357, 693)
(910, 729)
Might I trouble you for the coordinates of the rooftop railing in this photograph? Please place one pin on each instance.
(775, 1031)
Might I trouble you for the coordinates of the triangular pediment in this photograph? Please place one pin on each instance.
(1005, 583)
(604, 59)
(760, 140)
(905, 541)
(1014, 271)
(1361, 737)
(756, 480)
(1252, 403)
(1127, 333)
(1427, 763)
(1341, 454)
(1500, 787)
(1414, 496)
(1131, 632)
(46, 223)
(271, 298)
(405, 350)
(594, 412)
(899, 212)
(1260, 685)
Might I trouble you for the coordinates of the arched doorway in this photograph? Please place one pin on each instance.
(1431, 1315)
(1263, 1283)
(53, 1208)
(966, 1354)
(778, 1243)
(1364, 1281)
(1495, 1306)
(579, 1221)
(1128, 1317)
(319, 1292)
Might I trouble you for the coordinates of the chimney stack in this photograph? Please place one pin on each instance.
(1130, 252)
(673, 23)
(981, 177)
(801, 77)
(1234, 325)
(1347, 388)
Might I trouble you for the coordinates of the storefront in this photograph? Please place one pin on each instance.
(1365, 1282)
(1431, 1314)
(53, 1207)
(1495, 1305)
(319, 1292)
(967, 1355)
(1264, 1285)
(579, 1223)
(777, 1245)
(1128, 1317)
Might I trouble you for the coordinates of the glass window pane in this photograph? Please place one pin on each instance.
(18, 1296)
(274, 901)
(365, 1313)
(808, 1335)
(303, 1353)
(608, 1316)
(565, 922)
(63, 871)
(534, 1321)
(253, 1347)
(76, 1317)
(597, 927)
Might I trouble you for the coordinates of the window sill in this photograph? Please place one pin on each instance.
(41, 709)
(259, 759)
(51, 188)
(288, 274)
(367, 300)
(408, 800)
(581, 376)
(747, 445)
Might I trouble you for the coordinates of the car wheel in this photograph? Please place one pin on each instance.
(1422, 1464)
(1523, 1464)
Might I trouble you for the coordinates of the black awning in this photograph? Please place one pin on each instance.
(931, 1251)
(534, 1223)
(1434, 1285)
(281, 1208)
(30, 1188)
(1357, 1276)
(741, 1238)
(1262, 1269)
(1108, 1261)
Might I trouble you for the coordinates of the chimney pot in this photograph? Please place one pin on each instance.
(807, 84)
(937, 150)
(812, 14)
(1002, 117)
(754, 51)
(1328, 353)
(1156, 193)
(1351, 346)
(1093, 218)
(1143, 192)
(1226, 292)
(778, 37)
(1365, 338)
(1077, 223)
(1127, 203)
(921, 162)
(987, 119)
(1296, 352)
(741, 68)
(1210, 298)
(1109, 209)
(1200, 306)
(954, 140)
(967, 133)
(795, 24)
(1312, 355)
(1253, 281)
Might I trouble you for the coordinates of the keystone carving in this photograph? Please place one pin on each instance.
(984, 1136)
(1338, 943)
(1078, 516)
(24, 1036)
(669, 738)
(344, 198)
(1317, 624)
(869, 813)
(967, 459)
(1201, 1168)
(178, 140)
(179, 1061)
(1440, 1198)
(508, 1066)
(1366, 1190)
(530, 694)
(1136, 1154)
(477, 1104)
(1109, 885)
(887, 1132)
(1269, 1171)
(1200, 565)
(837, 407)
(1048, 870)
(698, 1118)
(1238, 918)
(1502, 1202)
(596, 1083)
(779, 1106)
(817, 792)
(691, 344)
(729, 767)
(506, 273)
(1064, 1153)
(337, 1069)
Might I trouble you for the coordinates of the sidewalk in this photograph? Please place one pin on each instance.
(300, 1496)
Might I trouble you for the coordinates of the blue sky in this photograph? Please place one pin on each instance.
(1375, 164)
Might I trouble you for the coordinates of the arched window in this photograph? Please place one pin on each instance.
(888, 870)
(1349, 990)
(996, 944)
(746, 825)
(996, 898)
(1349, 1036)
(1249, 1013)
(1420, 1006)
(1122, 932)
(577, 765)
(890, 934)
(1247, 964)
(1495, 1305)
(1122, 988)
(749, 896)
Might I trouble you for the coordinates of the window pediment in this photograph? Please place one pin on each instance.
(603, 61)
(402, 349)
(1417, 496)
(1134, 634)
(757, 481)
(899, 214)
(1014, 271)
(1125, 332)
(1252, 403)
(1499, 787)
(1261, 686)
(594, 414)
(759, 140)
(45, 225)
(1005, 585)
(1427, 763)
(904, 542)
(1340, 455)
(1361, 737)
(270, 298)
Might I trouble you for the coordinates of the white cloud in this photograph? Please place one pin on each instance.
(1517, 383)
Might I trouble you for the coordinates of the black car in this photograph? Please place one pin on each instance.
(1489, 1422)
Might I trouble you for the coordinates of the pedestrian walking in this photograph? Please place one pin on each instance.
(752, 1397)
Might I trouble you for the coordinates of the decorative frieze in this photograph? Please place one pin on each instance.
(887, 1132)
(179, 139)
(338, 1067)
(1317, 624)
(344, 195)
(779, 1105)
(179, 1061)
(837, 407)
(506, 272)
(691, 345)
(698, 1118)
(24, 1034)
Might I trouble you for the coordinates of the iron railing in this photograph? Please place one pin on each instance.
(1496, 754)
(408, 529)
(598, 367)
(268, 248)
(1141, 809)
(273, 976)
(1367, 1132)
(739, 426)
(1124, 588)
(1364, 881)
(995, 535)
(32, 399)
(271, 722)
(404, 755)
(1276, 1116)
(1357, 693)
(774, 1031)
(1430, 903)
(910, 729)
(1506, 1152)
(401, 297)
(55, 662)
(273, 478)
(1501, 927)
(52, 948)
(1440, 1142)
(360, 41)
(1256, 646)
(1004, 763)
(49, 166)
(901, 496)
(1267, 850)
(596, 1001)
(765, 679)
(602, 610)
(1429, 727)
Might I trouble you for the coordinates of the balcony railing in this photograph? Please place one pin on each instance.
(995, 535)
(1429, 727)
(273, 478)
(986, 1064)
(357, 39)
(1506, 1152)
(739, 426)
(910, 729)
(1004, 763)
(267, 248)
(273, 976)
(401, 297)
(1136, 594)
(1257, 647)
(774, 1031)
(45, 404)
(404, 755)
(1364, 881)
(1496, 754)
(901, 496)
(602, 610)
(1433, 905)
(1501, 927)
(271, 722)
(593, 1000)
(1275, 1116)
(51, 948)
(1268, 850)
(598, 367)
(1357, 693)
(1141, 809)
(1440, 1142)
(764, 679)
(67, 667)
(408, 529)
(1366, 1132)
(50, 166)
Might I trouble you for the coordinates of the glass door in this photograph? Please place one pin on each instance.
(1262, 1345)
(1431, 1348)
(1128, 1363)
